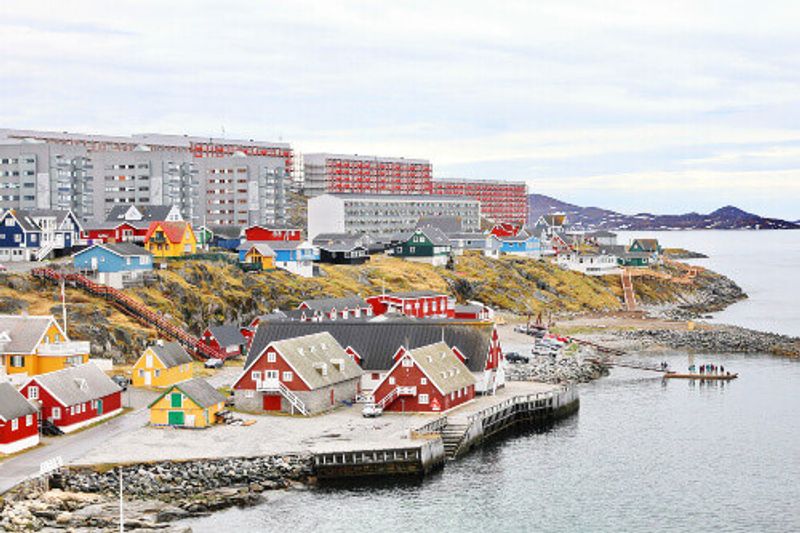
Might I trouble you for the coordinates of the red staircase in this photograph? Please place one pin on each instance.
(627, 290)
(196, 347)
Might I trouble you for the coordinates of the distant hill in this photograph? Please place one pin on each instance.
(728, 217)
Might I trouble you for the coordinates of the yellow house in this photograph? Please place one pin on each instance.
(35, 345)
(170, 239)
(192, 403)
(261, 254)
(162, 365)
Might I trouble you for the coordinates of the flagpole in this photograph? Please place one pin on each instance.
(64, 306)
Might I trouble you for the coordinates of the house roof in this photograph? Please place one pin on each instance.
(435, 235)
(289, 245)
(173, 231)
(59, 214)
(469, 308)
(13, 404)
(227, 334)
(602, 233)
(198, 390)
(325, 305)
(123, 249)
(647, 245)
(150, 213)
(23, 333)
(344, 243)
(445, 224)
(555, 219)
(261, 247)
(171, 354)
(225, 230)
(377, 341)
(24, 219)
(77, 384)
(309, 354)
(443, 367)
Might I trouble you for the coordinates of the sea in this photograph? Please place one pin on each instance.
(642, 455)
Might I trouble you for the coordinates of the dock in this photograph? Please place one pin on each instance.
(702, 377)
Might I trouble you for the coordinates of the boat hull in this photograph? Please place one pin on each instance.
(705, 377)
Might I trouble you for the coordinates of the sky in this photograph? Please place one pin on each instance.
(635, 106)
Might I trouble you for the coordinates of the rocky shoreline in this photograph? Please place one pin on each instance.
(714, 295)
(156, 494)
(576, 367)
(716, 339)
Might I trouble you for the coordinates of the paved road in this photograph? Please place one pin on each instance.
(70, 447)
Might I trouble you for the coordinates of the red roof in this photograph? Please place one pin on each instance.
(173, 231)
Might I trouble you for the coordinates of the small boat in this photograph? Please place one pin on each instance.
(706, 377)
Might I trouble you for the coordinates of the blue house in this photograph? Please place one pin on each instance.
(20, 237)
(114, 264)
(522, 244)
(296, 257)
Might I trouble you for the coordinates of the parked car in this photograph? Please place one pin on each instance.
(371, 410)
(213, 362)
(516, 357)
(122, 381)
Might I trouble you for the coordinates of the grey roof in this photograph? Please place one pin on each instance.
(225, 230)
(288, 245)
(442, 367)
(468, 308)
(309, 354)
(77, 384)
(24, 219)
(613, 249)
(327, 237)
(171, 354)
(228, 335)
(23, 332)
(602, 233)
(13, 404)
(343, 243)
(59, 214)
(124, 249)
(435, 235)
(377, 341)
(325, 305)
(261, 247)
(445, 224)
(200, 391)
(150, 213)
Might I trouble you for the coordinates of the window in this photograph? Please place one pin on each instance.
(392, 381)
(249, 394)
(271, 357)
(15, 424)
(176, 399)
(56, 414)
(33, 392)
(28, 420)
(256, 375)
(141, 373)
(423, 399)
(287, 376)
(17, 361)
(423, 381)
(407, 362)
(376, 375)
(158, 372)
(148, 361)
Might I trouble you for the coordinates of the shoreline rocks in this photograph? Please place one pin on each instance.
(718, 339)
(564, 369)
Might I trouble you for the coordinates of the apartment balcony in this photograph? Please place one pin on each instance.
(65, 348)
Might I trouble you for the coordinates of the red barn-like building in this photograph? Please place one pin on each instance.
(427, 379)
(419, 304)
(271, 234)
(19, 421)
(227, 338)
(74, 397)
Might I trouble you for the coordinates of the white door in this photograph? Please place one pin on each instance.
(147, 379)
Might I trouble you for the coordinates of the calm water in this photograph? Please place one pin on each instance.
(641, 455)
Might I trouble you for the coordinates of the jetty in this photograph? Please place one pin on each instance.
(703, 377)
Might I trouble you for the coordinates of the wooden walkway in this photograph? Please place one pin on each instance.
(627, 290)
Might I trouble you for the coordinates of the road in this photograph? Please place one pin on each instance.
(72, 447)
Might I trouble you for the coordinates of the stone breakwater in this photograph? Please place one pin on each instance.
(714, 294)
(562, 369)
(155, 493)
(719, 339)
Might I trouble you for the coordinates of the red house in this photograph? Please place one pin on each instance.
(419, 304)
(263, 233)
(427, 379)
(227, 338)
(473, 311)
(74, 397)
(338, 308)
(505, 229)
(19, 421)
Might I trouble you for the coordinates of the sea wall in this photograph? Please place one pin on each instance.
(719, 339)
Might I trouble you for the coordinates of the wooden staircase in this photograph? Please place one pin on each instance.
(627, 290)
(135, 309)
(452, 436)
(291, 397)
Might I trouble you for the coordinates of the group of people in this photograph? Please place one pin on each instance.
(707, 369)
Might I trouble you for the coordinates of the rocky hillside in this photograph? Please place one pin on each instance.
(199, 293)
(728, 217)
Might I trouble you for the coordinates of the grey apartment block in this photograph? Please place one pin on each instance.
(383, 216)
(92, 174)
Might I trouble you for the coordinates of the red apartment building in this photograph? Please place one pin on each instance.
(336, 173)
(501, 201)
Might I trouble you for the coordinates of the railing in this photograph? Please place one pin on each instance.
(134, 308)
(277, 386)
(432, 427)
(397, 455)
(44, 250)
(396, 393)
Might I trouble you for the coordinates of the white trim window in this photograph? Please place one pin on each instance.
(423, 381)
(15, 424)
(56, 413)
(255, 375)
(28, 420)
(271, 358)
(424, 399)
(33, 392)
(288, 376)
(407, 362)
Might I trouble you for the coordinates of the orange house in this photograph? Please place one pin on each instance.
(37, 345)
(170, 239)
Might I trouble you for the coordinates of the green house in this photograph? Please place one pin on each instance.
(426, 245)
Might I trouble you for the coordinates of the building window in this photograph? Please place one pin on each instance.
(176, 399)
(256, 375)
(287, 376)
(28, 420)
(56, 415)
(407, 362)
(17, 361)
(423, 381)
(423, 399)
(15, 424)
(271, 357)
(158, 373)
(33, 392)
(392, 381)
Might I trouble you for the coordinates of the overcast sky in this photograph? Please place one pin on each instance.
(654, 106)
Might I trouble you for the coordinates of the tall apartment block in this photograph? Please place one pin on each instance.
(214, 181)
(385, 215)
(501, 201)
(338, 173)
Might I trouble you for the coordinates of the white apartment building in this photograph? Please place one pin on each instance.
(383, 216)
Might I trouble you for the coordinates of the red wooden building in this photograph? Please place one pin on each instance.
(74, 397)
(429, 379)
(304, 375)
(505, 229)
(419, 304)
(270, 234)
(227, 338)
(19, 421)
